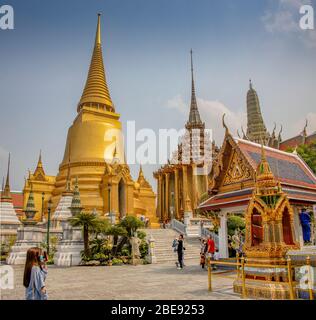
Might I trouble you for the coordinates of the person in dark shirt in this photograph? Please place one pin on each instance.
(180, 249)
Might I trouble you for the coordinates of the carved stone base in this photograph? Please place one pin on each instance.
(69, 250)
(28, 236)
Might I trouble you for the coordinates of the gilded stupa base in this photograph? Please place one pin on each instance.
(261, 289)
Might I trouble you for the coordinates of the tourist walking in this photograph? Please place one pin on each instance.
(203, 253)
(35, 273)
(180, 251)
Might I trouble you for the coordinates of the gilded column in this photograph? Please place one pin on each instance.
(185, 186)
(159, 200)
(167, 196)
(176, 192)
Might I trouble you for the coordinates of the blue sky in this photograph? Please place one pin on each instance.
(146, 43)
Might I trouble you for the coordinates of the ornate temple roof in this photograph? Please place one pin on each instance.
(296, 178)
(96, 92)
(288, 168)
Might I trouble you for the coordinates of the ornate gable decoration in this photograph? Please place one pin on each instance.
(233, 174)
(237, 171)
(143, 183)
(121, 170)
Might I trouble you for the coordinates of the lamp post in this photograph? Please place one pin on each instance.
(42, 215)
(48, 223)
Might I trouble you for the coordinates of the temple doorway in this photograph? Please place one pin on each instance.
(256, 228)
(122, 199)
(286, 224)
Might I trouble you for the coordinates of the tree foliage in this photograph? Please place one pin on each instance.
(234, 223)
(308, 153)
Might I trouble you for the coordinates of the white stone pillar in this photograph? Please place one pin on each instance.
(223, 236)
(298, 227)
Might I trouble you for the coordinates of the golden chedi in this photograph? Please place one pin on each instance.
(94, 152)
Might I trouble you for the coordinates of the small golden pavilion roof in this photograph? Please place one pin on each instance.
(96, 92)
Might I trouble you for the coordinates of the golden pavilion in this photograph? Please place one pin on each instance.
(94, 154)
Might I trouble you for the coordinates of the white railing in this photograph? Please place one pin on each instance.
(178, 226)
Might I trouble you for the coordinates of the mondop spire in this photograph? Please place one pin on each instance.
(194, 117)
(96, 93)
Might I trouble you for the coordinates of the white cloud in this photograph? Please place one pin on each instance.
(285, 18)
(211, 112)
(178, 104)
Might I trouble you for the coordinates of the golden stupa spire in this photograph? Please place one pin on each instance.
(40, 163)
(6, 190)
(39, 172)
(96, 93)
(265, 177)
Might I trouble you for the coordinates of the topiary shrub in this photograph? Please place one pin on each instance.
(117, 261)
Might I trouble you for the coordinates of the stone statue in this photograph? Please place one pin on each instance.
(237, 242)
(135, 242)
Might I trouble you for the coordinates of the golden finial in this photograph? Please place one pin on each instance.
(39, 162)
(98, 33)
(279, 135)
(274, 128)
(263, 154)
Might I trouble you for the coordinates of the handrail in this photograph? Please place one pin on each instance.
(178, 226)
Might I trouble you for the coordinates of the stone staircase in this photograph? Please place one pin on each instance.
(163, 245)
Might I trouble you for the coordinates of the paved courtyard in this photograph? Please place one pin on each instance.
(160, 281)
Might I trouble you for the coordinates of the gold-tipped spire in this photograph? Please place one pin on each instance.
(194, 116)
(6, 190)
(39, 173)
(96, 93)
(68, 180)
(265, 177)
(98, 33)
(143, 183)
